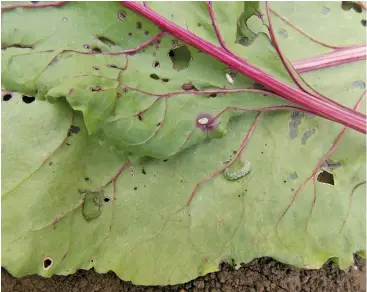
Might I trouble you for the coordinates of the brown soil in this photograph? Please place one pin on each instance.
(260, 275)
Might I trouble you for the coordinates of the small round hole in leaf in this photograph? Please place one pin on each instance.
(47, 263)
(180, 57)
(125, 89)
(165, 79)
(363, 22)
(28, 99)
(86, 46)
(7, 97)
(106, 199)
(326, 177)
(212, 95)
(156, 64)
(64, 19)
(121, 15)
(138, 25)
(154, 76)
(146, 32)
(96, 68)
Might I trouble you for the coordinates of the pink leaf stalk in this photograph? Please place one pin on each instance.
(334, 112)
(334, 58)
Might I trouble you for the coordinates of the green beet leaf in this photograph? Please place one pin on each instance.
(117, 164)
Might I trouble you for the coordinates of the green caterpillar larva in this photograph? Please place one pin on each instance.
(233, 175)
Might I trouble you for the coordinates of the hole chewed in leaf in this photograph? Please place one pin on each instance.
(28, 99)
(326, 177)
(139, 25)
(106, 200)
(165, 80)
(363, 22)
(180, 57)
(7, 97)
(115, 67)
(47, 263)
(96, 50)
(348, 5)
(64, 19)
(85, 46)
(106, 41)
(121, 15)
(154, 76)
(205, 122)
(146, 32)
(96, 88)
(212, 95)
(130, 34)
(96, 68)
(156, 64)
